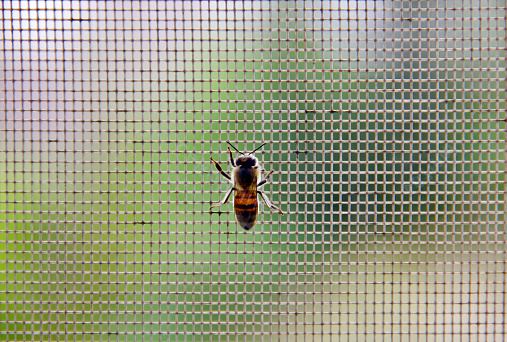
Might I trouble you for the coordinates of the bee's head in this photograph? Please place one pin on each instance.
(247, 161)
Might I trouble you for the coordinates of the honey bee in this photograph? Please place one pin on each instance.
(245, 183)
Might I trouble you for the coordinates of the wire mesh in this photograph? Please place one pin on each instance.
(385, 123)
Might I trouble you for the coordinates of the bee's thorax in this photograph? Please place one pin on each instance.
(245, 177)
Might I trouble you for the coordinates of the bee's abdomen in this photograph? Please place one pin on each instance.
(246, 200)
(245, 208)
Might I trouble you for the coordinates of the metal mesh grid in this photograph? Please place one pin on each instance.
(386, 126)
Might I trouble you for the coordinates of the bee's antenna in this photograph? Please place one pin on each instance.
(235, 148)
(257, 148)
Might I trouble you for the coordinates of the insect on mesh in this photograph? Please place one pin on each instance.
(384, 122)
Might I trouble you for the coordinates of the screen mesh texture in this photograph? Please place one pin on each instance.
(385, 125)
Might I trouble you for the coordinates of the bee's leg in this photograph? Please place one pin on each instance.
(232, 158)
(268, 202)
(262, 182)
(225, 199)
(219, 168)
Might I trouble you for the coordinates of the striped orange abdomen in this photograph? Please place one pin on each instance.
(245, 208)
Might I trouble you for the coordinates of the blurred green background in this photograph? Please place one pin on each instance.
(385, 124)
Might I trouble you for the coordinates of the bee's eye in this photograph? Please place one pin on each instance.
(238, 162)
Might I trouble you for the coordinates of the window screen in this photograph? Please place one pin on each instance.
(385, 125)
